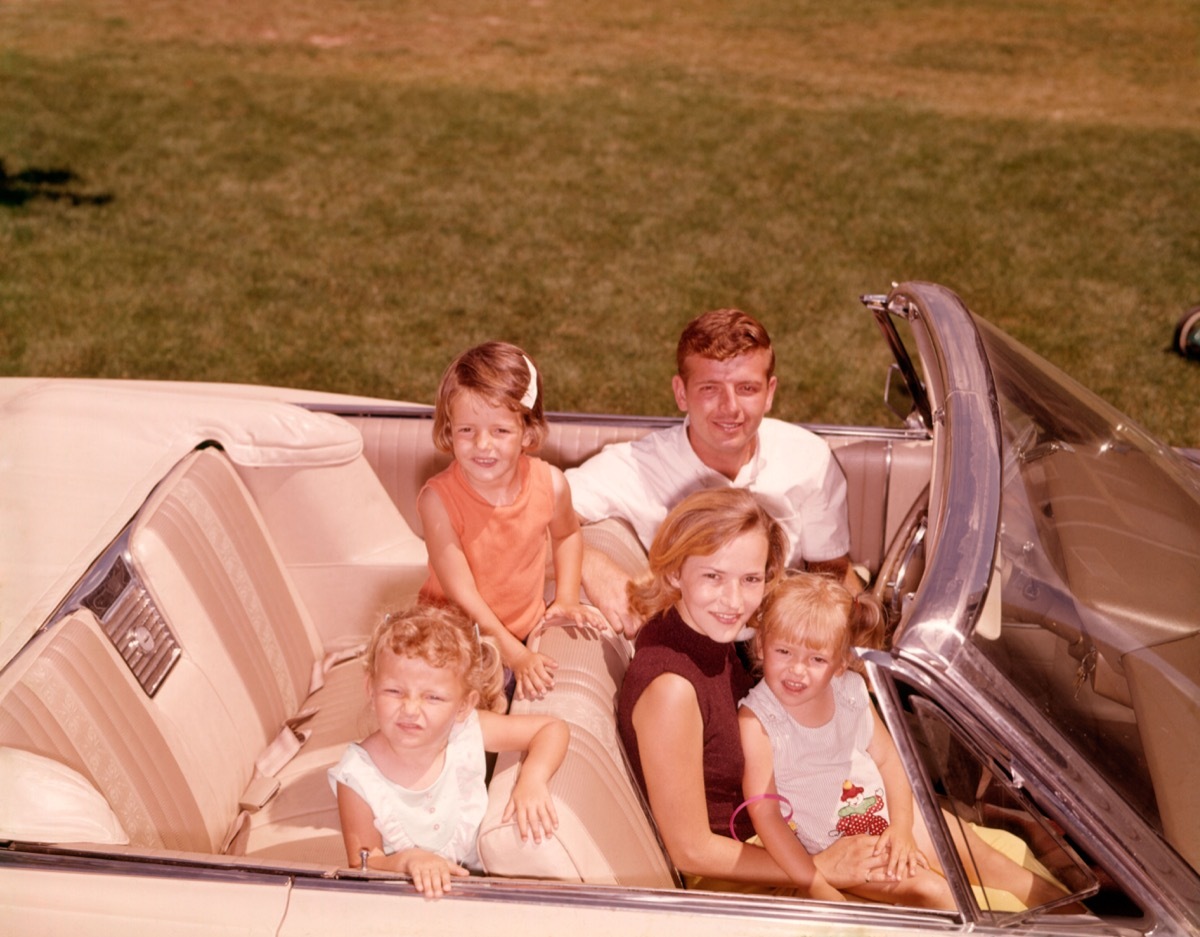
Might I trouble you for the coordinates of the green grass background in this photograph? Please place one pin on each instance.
(342, 195)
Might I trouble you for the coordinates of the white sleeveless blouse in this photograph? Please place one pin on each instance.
(445, 817)
(832, 784)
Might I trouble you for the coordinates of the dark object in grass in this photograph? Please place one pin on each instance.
(1186, 340)
(52, 184)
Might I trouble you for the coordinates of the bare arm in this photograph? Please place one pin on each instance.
(778, 838)
(669, 730)
(904, 859)
(545, 740)
(566, 544)
(358, 828)
(607, 586)
(431, 873)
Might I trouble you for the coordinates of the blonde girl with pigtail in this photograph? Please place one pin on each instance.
(821, 768)
(488, 515)
(412, 794)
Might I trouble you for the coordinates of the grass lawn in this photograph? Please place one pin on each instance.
(343, 194)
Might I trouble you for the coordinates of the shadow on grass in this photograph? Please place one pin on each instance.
(56, 185)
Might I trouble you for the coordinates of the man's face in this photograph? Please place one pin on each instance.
(725, 401)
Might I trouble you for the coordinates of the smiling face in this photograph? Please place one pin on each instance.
(719, 592)
(487, 441)
(416, 704)
(725, 402)
(799, 675)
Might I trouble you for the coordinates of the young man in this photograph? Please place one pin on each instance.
(725, 385)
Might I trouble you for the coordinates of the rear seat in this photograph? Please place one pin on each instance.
(883, 476)
(605, 835)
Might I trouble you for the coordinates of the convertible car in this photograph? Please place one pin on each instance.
(186, 573)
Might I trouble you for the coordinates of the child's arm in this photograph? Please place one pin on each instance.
(566, 543)
(534, 671)
(431, 873)
(544, 739)
(904, 858)
(778, 838)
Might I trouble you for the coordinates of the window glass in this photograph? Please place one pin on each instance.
(1010, 857)
(1098, 548)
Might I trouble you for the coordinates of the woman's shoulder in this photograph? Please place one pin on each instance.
(656, 657)
(671, 686)
(666, 694)
(653, 659)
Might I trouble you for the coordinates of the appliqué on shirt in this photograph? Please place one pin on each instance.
(859, 812)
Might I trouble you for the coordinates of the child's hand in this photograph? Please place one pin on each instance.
(534, 674)
(431, 874)
(904, 858)
(533, 807)
(586, 616)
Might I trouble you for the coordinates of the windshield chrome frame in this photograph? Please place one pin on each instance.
(965, 488)
(933, 646)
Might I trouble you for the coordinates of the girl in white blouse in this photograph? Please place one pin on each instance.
(412, 795)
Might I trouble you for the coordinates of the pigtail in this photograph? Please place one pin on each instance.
(490, 673)
(867, 621)
(819, 611)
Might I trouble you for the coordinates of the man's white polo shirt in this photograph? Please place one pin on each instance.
(793, 473)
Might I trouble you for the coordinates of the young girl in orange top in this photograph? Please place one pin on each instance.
(488, 515)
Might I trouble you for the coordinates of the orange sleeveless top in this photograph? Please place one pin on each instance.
(504, 545)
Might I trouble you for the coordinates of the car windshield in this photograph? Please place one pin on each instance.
(1099, 548)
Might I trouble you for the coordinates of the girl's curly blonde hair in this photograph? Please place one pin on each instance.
(442, 636)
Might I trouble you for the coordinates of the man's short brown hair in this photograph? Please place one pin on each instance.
(720, 335)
